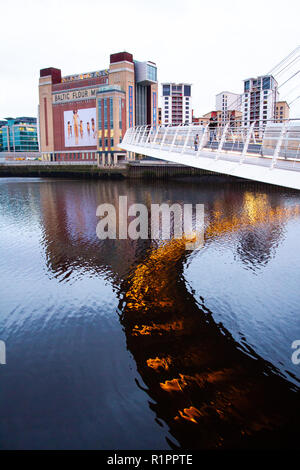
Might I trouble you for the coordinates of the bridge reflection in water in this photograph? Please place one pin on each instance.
(201, 382)
(209, 392)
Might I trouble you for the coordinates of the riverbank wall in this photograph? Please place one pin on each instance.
(132, 170)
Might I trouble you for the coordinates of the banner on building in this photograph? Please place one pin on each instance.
(80, 127)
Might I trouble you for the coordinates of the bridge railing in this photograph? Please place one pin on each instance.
(271, 139)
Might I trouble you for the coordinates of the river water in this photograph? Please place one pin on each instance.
(131, 344)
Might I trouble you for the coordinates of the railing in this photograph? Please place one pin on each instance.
(274, 144)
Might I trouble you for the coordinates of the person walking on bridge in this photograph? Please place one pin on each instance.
(196, 142)
(212, 128)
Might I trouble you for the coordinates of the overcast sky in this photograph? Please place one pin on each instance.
(213, 44)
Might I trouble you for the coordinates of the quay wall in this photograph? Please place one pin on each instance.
(131, 170)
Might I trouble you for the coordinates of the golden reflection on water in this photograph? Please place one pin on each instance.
(255, 210)
(146, 329)
(157, 363)
(196, 375)
(150, 283)
(190, 414)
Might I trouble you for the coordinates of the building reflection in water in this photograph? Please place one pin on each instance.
(201, 383)
(259, 222)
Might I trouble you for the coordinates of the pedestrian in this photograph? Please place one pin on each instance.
(212, 128)
(196, 142)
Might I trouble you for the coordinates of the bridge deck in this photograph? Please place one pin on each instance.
(270, 154)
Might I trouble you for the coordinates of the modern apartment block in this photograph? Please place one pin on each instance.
(259, 99)
(282, 111)
(85, 116)
(176, 103)
(19, 135)
(227, 102)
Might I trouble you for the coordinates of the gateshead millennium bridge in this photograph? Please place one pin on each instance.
(265, 151)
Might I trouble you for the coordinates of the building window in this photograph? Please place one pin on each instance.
(166, 90)
(111, 142)
(151, 73)
(176, 88)
(111, 113)
(187, 90)
(120, 113)
(105, 113)
(266, 83)
(130, 105)
(100, 114)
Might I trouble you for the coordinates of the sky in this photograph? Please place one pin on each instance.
(214, 45)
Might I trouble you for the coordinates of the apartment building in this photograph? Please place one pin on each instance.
(259, 99)
(227, 102)
(282, 111)
(176, 103)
